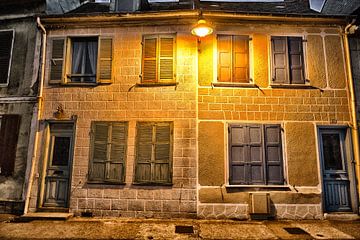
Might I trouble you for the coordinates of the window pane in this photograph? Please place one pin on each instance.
(84, 59)
(61, 151)
(332, 151)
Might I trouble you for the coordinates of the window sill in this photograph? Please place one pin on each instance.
(294, 86)
(70, 84)
(104, 183)
(247, 188)
(234, 85)
(157, 84)
(151, 184)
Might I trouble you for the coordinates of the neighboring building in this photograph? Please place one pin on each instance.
(20, 48)
(143, 119)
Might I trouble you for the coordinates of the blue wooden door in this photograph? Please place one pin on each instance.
(336, 183)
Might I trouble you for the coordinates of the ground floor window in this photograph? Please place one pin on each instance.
(255, 154)
(154, 142)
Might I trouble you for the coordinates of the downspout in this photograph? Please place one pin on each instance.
(38, 116)
(354, 127)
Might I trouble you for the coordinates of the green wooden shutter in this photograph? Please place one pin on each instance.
(240, 53)
(279, 60)
(296, 62)
(163, 154)
(100, 132)
(6, 42)
(273, 152)
(104, 72)
(144, 153)
(149, 65)
(116, 164)
(237, 154)
(166, 58)
(224, 58)
(9, 133)
(57, 60)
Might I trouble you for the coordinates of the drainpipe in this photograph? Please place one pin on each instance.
(349, 29)
(38, 116)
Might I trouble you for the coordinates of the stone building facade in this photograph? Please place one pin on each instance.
(143, 119)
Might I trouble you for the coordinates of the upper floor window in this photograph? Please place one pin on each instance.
(233, 58)
(255, 154)
(287, 60)
(6, 43)
(81, 60)
(158, 59)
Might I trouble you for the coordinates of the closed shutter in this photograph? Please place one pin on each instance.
(9, 132)
(166, 59)
(104, 72)
(273, 151)
(57, 60)
(279, 60)
(238, 154)
(163, 153)
(149, 70)
(108, 152)
(296, 62)
(240, 59)
(224, 58)
(144, 150)
(255, 170)
(6, 41)
(153, 153)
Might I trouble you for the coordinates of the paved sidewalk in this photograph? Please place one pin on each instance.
(122, 228)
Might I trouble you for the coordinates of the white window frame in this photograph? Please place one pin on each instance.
(11, 54)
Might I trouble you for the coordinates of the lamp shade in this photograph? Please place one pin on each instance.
(201, 29)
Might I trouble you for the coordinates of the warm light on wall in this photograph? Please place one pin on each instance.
(201, 29)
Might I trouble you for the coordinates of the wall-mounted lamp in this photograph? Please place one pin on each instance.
(202, 28)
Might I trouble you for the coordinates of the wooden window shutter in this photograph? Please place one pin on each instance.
(116, 166)
(105, 56)
(108, 151)
(224, 58)
(6, 42)
(240, 59)
(144, 152)
(57, 60)
(149, 65)
(255, 171)
(163, 144)
(279, 60)
(9, 132)
(296, 62)
(238, 154)
(273, 152)
(166, 58)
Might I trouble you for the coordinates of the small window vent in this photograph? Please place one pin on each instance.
(260, 203)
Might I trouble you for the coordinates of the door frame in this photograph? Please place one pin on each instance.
(44, 161)
(349, 164)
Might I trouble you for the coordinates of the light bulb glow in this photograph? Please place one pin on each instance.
(201, 29)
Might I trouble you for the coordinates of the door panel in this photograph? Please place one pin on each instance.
(336, 184)
(57, 179)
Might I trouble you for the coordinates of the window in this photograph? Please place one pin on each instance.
(108, 152)
(255, 155)
(6, 44)
(158, 63)
(9, 131)
(233, 58)
(81, 60)
(287, 60)
(154, 153)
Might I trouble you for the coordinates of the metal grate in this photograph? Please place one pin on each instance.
(295, 230)
(184, 229)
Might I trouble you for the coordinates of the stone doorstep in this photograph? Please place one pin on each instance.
(342, 216)
(44, 216)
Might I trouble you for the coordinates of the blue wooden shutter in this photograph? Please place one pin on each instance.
(273, 153)
(296, 60)
(279, 60)
(255, 170)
